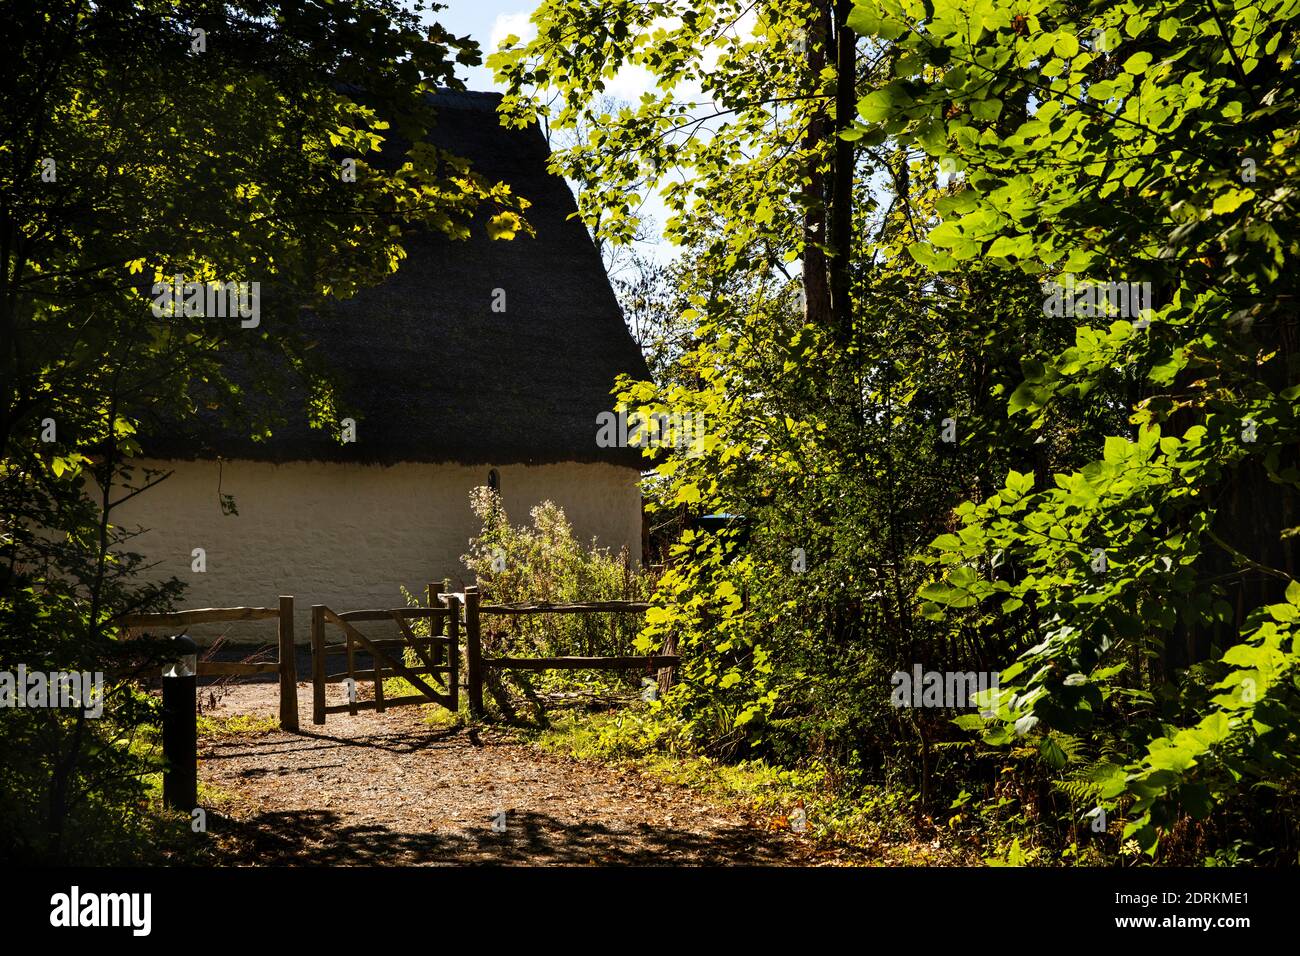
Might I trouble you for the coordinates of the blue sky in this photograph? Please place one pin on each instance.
(486, 21)
(489, 22)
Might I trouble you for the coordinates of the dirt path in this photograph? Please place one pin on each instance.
(389, 789)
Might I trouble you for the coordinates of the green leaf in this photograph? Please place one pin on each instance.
(1051, 751)
(1137, 64)
(986, 110)
(503, 226)
(866, 20)
(1066, 45)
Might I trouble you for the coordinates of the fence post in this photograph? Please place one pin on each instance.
(446, 589)
(453, 648)
(351, 684)
(436, 627)
(180, 736)
(379, 682)
(473, 652)
(665, 675)
(288, 667)
(318, 663)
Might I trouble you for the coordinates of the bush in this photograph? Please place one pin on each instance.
(545, 562)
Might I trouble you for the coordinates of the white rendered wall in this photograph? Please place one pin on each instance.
(348, 535)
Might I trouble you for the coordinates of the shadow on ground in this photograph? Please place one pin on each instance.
(321, 838)
(372, 794)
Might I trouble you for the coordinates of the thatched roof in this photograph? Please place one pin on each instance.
(433, 372)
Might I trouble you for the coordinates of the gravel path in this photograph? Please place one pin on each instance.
(388, 789)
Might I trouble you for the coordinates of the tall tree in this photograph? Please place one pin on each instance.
(1146, 143)
(235, 145)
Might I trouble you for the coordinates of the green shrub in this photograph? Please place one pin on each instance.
(543, 561)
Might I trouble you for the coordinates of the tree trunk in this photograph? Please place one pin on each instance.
(841, 239)
(817, 296)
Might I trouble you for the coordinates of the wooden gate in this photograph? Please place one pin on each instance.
(438, 656)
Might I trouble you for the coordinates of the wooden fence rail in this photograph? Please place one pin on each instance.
(439, 654)
(649, 662)
(285, 665)
(203, 615)
(477, 664)
(546, 608)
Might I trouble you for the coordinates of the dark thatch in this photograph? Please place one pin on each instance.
(432, 373)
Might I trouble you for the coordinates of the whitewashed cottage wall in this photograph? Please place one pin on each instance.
(348, 535)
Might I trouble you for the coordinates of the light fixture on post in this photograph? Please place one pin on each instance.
(180, 726)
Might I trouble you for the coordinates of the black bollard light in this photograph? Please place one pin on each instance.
(180, 726)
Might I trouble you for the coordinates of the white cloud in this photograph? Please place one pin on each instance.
(505, 24)
(510, 23)
(629, 83)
